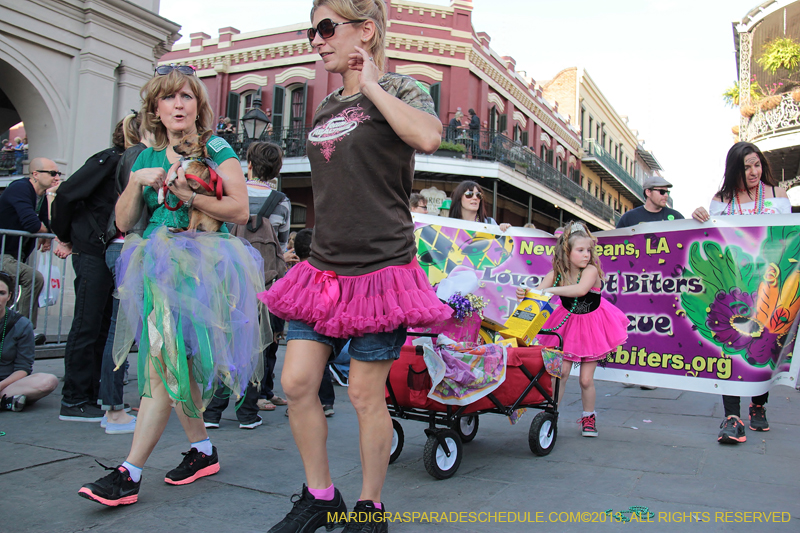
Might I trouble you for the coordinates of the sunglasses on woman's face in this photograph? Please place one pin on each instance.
(163, 70)
(326, 28)
(470, 194)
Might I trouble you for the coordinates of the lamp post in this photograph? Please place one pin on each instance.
(255, 121)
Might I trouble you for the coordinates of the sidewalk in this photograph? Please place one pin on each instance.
(656, 449)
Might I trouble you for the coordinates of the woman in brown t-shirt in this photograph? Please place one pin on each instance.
(362, 281)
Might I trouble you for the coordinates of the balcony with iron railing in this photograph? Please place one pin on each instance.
(478, 145)
(599, 160)
(775, 115)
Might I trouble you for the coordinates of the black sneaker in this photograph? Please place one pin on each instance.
(12, 403)
(308, 514)
(117, 488)
(366, 518)
(338, 376)
(195, 465)
(81, 413)
(732, 431)
(758, 418)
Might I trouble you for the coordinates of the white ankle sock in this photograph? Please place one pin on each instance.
(587, 413)
(204, 446)
(134, 471)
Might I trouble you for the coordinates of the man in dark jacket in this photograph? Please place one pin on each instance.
(23, 207)
(80, 217)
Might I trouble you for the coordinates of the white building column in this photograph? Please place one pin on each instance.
(95, 110)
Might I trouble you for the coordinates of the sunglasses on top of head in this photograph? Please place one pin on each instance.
(326, 28)
(163, 70)
(470, 194)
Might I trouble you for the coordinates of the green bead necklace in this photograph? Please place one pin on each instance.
(574, 304)
(3, 337)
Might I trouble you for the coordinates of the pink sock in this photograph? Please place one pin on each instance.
(323, 494)
(376, 504)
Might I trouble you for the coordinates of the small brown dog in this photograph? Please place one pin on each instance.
(202, 179)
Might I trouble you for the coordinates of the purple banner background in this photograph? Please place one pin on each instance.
(692, 292)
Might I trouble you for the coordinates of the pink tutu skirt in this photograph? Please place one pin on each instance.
(352, 306)
(588, 337)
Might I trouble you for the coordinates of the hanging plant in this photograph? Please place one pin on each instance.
(782, 52)
(731, 94)
(796, 94)
(770, 102)
(735, 130)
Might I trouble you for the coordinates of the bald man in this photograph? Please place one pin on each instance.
(23, 207)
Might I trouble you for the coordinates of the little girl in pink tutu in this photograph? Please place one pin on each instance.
(590, 325)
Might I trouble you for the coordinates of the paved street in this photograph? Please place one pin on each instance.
(656, 449)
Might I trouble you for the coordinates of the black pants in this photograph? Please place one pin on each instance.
(731, 403)
(271, 359)
(83, 355)
(247, 413)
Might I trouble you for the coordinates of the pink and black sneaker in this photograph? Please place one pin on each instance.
(195, 465)
(588, 426)
(117, 488)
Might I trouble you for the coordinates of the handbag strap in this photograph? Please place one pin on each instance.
(272, 201)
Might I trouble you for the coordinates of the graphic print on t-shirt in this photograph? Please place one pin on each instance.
(336, 128)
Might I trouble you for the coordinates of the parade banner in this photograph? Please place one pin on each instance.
(713, 307)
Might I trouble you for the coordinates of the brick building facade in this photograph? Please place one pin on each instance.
(529, 154)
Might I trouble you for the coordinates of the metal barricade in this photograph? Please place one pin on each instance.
(58, 277)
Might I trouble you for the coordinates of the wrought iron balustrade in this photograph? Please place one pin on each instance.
(593, 149)
(781, 119)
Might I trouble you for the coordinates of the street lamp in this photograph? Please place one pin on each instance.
(255, 121)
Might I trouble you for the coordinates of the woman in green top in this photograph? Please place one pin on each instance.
(188, 297)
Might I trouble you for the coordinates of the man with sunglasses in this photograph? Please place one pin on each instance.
(23, 207)
(656, 192)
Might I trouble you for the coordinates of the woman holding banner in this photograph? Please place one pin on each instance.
(748, 188)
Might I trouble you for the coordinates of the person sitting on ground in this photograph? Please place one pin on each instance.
(418, 203)
(18, 385)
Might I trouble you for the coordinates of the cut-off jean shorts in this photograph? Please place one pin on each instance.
(371, 347)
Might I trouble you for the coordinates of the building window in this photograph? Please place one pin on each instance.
(298, 216)
(549, 157)
(517, 133)
(558, 164)
(524, 138)
(589, 130)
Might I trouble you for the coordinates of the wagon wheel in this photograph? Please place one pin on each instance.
(397, 441)
(467, 427)
(438, 462)
(543, 433)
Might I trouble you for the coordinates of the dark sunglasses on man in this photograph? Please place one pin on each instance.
(326, 28)
(163, 70)
(53, 173)
(662, 192)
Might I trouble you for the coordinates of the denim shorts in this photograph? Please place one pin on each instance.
(370, 347)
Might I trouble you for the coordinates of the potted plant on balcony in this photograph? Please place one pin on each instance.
(780, 53)
(448, 149)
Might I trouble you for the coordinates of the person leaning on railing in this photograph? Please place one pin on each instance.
(23, 208)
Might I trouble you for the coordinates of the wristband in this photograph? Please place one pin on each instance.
(191, 200)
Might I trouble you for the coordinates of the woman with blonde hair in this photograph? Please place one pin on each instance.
(362, 281)
(188, 297)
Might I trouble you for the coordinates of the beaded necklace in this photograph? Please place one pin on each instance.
(574, 304)
(3, 337)
(759, 203)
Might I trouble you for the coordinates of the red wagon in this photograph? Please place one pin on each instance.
(527, 385)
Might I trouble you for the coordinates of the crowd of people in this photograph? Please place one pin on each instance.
(207, 309)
